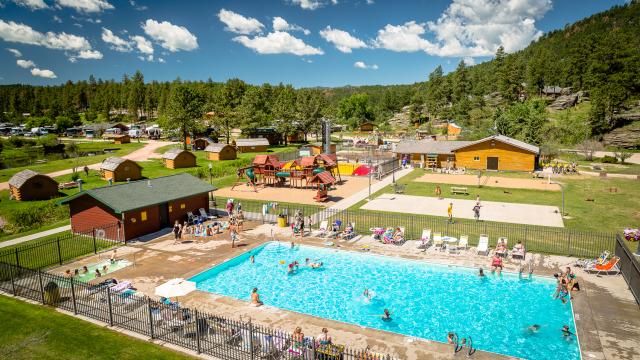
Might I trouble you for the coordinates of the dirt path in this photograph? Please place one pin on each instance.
(492, 181)
(142, 154)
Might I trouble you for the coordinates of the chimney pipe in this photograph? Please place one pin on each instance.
(79, 185)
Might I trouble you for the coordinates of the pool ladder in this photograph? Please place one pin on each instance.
(459, 346)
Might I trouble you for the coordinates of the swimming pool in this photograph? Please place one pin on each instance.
(426, 300)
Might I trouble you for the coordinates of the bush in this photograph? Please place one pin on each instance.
(35, 216)
(75, 176)
(609, 159)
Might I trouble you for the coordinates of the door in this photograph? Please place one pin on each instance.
(492, 163)
(164, 216)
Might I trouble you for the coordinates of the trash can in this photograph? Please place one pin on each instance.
(282, 221)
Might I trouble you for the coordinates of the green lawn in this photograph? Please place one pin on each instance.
(57, 165)
(36, 332)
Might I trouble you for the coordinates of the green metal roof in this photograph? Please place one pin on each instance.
(138, 194)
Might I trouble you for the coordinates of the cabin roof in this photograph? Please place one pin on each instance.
(113, 162)
(252, 142)
(173, 153)
(506, 140)
(216, 147)
(18, 179)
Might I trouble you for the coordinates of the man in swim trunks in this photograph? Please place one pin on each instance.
(386, 316)
(566, 332)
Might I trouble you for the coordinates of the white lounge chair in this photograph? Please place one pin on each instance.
(506, 246)
(483, 245)
(463, 244)
(404, 237)
(437, 240)
(352, 234)
(425, 239)
(204, 215)
(322, 230)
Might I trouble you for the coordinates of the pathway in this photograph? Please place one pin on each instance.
(34, 236)
(142, 154)
(634, 159)
(364, 193)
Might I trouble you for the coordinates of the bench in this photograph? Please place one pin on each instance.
(68, 185)
(459, 190)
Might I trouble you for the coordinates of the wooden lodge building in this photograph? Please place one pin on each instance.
(495, 152)
(202, 143)
(367, 127)
(119, 169)
(252, 145)
(217, 152)
(28, 185)
(178, 158)
(138, 208)
(118, 138)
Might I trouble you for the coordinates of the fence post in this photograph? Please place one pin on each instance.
(95, 248)
(73, 298)
(17, 258)
(251, 341)
(151, 331)
(41, 287)
(313, 348)
(110, 307)
(569, 244)
(13, 284)
(59, 252)
(198, 350)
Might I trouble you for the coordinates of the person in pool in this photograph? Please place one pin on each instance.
(481, 272)
(98, 274)
(533, 328)
(316, 265)
(85, 270)
(366, 294)
(255, 298)
(566, 332)
(386, 316)
(451, 338)
(252, 259)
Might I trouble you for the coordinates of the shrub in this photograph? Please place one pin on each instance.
(609, 159)
(75, 176)
(31, 217)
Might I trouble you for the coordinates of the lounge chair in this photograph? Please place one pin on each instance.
(518, 253)
(192, 219)
(483, 245)
(610, 266)
(204, 215)
(437, 240)
(350, 235)
(589, 262)
(425, 239)
(506, 244)
(404, 237)
(463, 243)
(322, 230)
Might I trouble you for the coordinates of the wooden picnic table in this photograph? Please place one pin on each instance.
(459, 190)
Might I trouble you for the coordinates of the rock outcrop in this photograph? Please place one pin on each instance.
(625, 137)
(564, 102)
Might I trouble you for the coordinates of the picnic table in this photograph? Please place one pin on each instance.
(459, 190)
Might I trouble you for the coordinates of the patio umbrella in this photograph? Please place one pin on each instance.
(175, 288)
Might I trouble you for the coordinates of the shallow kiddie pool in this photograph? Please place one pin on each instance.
(426, 300)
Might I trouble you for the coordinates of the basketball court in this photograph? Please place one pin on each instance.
(490, 210)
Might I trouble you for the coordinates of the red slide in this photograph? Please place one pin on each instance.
(362, 170)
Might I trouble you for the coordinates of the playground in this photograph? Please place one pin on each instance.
(490, 210)
(490, 180)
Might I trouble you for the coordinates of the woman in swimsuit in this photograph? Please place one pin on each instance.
(496, 264)
(255, 298)
(324, 338)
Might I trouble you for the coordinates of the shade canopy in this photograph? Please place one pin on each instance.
(175, 288)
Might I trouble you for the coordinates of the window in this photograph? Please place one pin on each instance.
(182, 206)
(170, 208)
(476, 158)
(143, 216)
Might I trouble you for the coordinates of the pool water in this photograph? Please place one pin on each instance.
(91, 274)
(426, 300)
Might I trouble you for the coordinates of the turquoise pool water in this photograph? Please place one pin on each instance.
(426, 300)
(119, 264)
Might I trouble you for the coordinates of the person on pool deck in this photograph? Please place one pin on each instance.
(386, 316)
(450, 213)
(480, 272)
(398, 235)
(496, 264)
(112, 258)
(68, 273)
(298, 338)
(255, 298)
(451, 338)
(76, 272)
(324, 338)
(177, 230)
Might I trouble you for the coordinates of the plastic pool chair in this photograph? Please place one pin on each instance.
(610, 266)
(322, 230)
(483, 245)
(464, 242)
(352, 234)
(425, 239)
(597, 261)
(437, 240)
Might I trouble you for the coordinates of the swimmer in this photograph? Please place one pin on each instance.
(480, 272)
(566, 332)
(252, 259)
(98, 274)
(105, 268)
(293, 244)
(307, 261)
(316, 265)
(85, 270)
(386, 316)
(368, 294)
(533, 328)
(452, 338)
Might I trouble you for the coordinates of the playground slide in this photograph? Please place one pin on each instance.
(283, 174)
(250, 174)
(362, 170)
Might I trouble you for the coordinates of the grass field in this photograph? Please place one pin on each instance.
(57, 165)
(35, 332)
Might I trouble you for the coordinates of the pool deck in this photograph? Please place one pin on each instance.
(607, 316)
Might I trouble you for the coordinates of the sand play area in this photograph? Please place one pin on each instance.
(344, 189)
(490, 210)
(492, 181)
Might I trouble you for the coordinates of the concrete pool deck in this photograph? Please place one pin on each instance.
(607, 317)
(514, 213)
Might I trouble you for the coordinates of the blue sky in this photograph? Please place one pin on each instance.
(302, 42)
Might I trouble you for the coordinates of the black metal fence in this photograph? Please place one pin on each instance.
(63, 248)
(542, 239)
(195, 330)
(629, 266)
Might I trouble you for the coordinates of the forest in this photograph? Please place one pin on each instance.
(598, 55)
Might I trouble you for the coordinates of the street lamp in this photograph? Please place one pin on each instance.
(210, 173)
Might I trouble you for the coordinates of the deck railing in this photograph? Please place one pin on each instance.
(629, 266)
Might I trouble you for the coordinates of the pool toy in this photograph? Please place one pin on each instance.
(282, 262)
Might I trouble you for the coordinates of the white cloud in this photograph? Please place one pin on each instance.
(342, 40)
(137, 7)
(86, 6)
(370, 2)
(25, 64)
(171, 37)
(239, 24)
(161, 60)
(24, 34)
(148, 58)
(308, 4)
(90, 54)
(334, 2)
(143, 45)
(402, 38)
(280, 24)
(43, 73)
(117, 43)
(278, 42)
(57, 19)
(32, 4)
(15, 52)
(469, 61)
(362, 65)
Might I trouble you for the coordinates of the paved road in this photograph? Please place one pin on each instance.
(34, 236)
(142, 154)
(634, 159)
